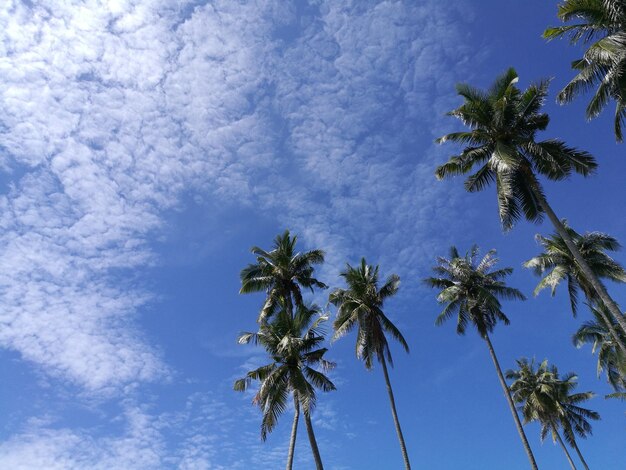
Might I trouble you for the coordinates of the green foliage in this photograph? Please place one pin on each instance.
(556, 264)
(293, 343)
(360, 306)
(602, 25)
(471, 290)
(546, 398)
(281, 273)
(611, 359)
(501, 147)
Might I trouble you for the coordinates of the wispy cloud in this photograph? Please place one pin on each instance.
(356, 90)
(313, 114)
(140, 446)
(206, 433)
(110, 111)
(81, 114)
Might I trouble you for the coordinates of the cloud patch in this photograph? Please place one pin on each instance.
(111, 110)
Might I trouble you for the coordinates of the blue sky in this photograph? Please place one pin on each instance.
(146, 145)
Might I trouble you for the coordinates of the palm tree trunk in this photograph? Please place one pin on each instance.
(580, 456)
(314, 448)
(569, 458)
(589, 274)
(405, 456)
(294, 430)
(507, 394)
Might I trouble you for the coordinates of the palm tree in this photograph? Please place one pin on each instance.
(281, 272)
(602, 24)
(360, 306)
(503, 123)
(470, 290)
(293, 344)
(574, 419)
(611, 358)
(536, 391)
(561, 266)
(546, 398)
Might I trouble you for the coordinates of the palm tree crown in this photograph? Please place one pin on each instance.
(545, 397)
(536, 390)
(281, 272)
(293, 344)
(611, 358)
(561, 265)
(501, 143)
(361, 305)
(471, 290)
(602, 25)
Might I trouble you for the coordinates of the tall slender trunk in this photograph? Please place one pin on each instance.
(560, 441)
(589, 274)
(580, 455)
(294, 430)
(507, 394)
(405, 456)
(313, 441)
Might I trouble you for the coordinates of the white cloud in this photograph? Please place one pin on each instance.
(357, 92)
(111, 110)
(140, 446)
(204, 434)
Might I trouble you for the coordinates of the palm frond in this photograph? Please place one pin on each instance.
(319, 380)
(360, 306)
(602, 25)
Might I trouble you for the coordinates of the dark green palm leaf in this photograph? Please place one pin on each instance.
(293, 343)
(470, 290)
(602, 25)
(281, 273)
(360, 305)
(556, 264)
(545, 397)
(611, 360)
(502, 148)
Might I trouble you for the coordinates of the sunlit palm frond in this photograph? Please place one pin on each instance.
(556, 263)
(470, 289)
(602, 25)
(501, 146)
(292, 341)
